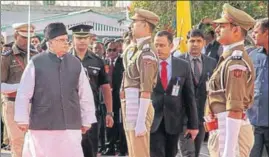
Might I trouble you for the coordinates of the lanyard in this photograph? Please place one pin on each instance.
(20, 63)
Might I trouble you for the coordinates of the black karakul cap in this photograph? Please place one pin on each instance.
(54, 30)
(82, 30)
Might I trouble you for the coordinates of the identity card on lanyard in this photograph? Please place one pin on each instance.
(176, 88)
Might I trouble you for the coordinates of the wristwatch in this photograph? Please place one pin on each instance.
(110, 114)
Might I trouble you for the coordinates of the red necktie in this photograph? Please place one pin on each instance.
(164, 74)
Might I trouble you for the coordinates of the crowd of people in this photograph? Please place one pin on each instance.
(137, 95)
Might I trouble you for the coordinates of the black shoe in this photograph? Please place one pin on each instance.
(122, 154)
(7, 148)
(3, 145)
(109, 151)
(102, 149)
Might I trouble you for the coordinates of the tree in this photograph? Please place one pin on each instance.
(49, 2)
(199, 10)
(213, 9)
(165, 9)
(108, 3)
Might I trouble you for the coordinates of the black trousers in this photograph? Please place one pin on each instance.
(261, 136)
(163, 144)
(90, 141)
(102, 134)
(116, 135)
(2, 131)
(190, 148)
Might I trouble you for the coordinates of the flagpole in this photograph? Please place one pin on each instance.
(28, 42)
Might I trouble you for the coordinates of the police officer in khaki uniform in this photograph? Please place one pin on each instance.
(12, 67)
(98, 78)
(231, 87)
(141, 69)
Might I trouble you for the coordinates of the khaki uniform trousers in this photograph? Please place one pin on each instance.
(16, 136)
(245, 142)
(5, 135)
(138, 146)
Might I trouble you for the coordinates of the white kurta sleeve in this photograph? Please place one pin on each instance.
(86, 100)
(8, 88)
(24, 94)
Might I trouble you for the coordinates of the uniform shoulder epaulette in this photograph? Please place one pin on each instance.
(146, 48)
(7, 53)
(237, 55)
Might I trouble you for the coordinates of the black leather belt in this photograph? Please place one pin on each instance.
(10, 98)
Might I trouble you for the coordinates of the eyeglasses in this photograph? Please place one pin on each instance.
(110, 50)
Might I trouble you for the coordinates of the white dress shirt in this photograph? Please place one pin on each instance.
(26, 90)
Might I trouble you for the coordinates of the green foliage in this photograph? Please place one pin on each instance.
(199, 9)
(49, 2)
(213, 9)
(165, 9)
(107, 3)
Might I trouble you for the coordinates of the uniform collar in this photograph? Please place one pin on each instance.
(229, 47)
(17, 50)
(140, 42)
(228, 53)
(87, 54)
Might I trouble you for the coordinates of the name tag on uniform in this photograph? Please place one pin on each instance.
(176, 88)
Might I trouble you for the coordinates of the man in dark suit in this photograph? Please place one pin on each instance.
(202, 68)
(116, 133)
(174, 86)
(212, 48)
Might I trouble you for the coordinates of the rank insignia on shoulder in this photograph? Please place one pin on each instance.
(6, 53)
(146, 48)
(237, 55)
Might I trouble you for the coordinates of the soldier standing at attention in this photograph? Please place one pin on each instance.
(231, 87)
(12, 66)
(141, 69)
(98, 78)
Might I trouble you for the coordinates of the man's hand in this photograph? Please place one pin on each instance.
(206, 20)
(84, 129)
(122, 95)
(109, 121)
(23, 127)
(193, 133)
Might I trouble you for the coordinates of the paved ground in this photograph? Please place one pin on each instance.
(204, 152)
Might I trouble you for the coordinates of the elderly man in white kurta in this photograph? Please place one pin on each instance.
(62, 101)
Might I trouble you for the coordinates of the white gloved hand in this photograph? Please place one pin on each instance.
(140, 127)
(232, 133)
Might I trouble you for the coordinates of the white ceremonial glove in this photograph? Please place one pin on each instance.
(140, 128)
(232, 133)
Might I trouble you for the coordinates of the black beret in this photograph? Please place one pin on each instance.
(54, 30)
